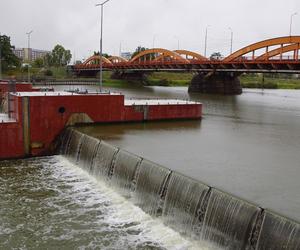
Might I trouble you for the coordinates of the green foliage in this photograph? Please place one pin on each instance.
(58, 57)
(216, 56)
(38, 63)
(8, 58)
(48, 72)
(138, 50)
(103, 54)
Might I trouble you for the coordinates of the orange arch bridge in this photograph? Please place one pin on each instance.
(277, 55)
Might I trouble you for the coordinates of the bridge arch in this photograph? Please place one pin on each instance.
(96, 60)
(260, 45)
(159, 52)
(192, 54)
(117, 59)
(279, 51)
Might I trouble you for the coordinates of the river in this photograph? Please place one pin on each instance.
(246, 145)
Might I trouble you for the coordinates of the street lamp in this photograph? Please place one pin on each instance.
(28, 68)
(101, 35)
(178, 41)
(291, 22)
(153, 41)
(205, 49)
(231, 39)
(0, 58)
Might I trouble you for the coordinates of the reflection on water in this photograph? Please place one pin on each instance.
(49, 203)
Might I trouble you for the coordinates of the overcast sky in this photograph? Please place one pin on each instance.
(76, 23)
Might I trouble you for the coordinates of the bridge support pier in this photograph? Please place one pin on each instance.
(223, 83)
(130, 76)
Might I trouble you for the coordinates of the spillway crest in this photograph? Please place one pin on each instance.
(188, 206)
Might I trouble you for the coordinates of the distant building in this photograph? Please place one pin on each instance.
(30, 55)
(126, 55)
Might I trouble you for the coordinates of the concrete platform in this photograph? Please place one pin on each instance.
(4, 118)
(131, 102)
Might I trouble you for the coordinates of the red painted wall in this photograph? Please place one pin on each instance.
(11, 141)
(46, 123)
(178, 111)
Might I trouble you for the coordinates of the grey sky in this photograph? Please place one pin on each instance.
(75, 23)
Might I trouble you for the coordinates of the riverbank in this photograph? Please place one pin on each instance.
(248, 81)
(169, 79)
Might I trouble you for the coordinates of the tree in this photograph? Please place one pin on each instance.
(8, 58)
(103, 54)
(216, 56)
(138, 50)
(38, 63)
(58, 57)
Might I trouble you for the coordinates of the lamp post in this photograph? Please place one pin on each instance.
(28, 68)
(231, 39)
(178, 42)
(205, 47)
(101, 47)
(0, 58)
(291, 22)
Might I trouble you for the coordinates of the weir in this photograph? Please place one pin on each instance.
(196, 210)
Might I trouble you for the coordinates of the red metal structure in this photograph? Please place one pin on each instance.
(277, 55)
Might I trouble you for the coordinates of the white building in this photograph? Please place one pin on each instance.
(30, 55)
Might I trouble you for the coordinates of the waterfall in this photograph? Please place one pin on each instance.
(150, 186)
(72, 149)
(183, 208)
(125, 167)
(229, 221)
(188, 206)
(103, 161)
(278, 233)
(89, 146)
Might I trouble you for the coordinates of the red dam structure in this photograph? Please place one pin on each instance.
(35, 119)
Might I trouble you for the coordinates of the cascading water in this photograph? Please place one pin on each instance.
(278, 233)
(215, 218)
(123, 178)
(228, 222)
(102, 162)
(150, 184)
(184, 203)
(88, 149)
(74, 144)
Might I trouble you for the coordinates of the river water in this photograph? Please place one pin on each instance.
(246, 145)
(50, 203)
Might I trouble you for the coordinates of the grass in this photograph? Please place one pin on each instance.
(169, 79)
(166, 79)
(257, 81)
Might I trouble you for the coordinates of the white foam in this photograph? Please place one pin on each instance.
(123, 212)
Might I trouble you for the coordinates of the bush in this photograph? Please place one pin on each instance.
(48, 72)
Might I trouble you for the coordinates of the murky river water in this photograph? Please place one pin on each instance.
(50, 203)
(247, 145)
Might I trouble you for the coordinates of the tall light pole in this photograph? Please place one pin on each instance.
(178, 41)
(153, 41)
(28, 68)
(101, 47)
(291, 22)
(231, 39)
(205, 49)
(0, 58)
